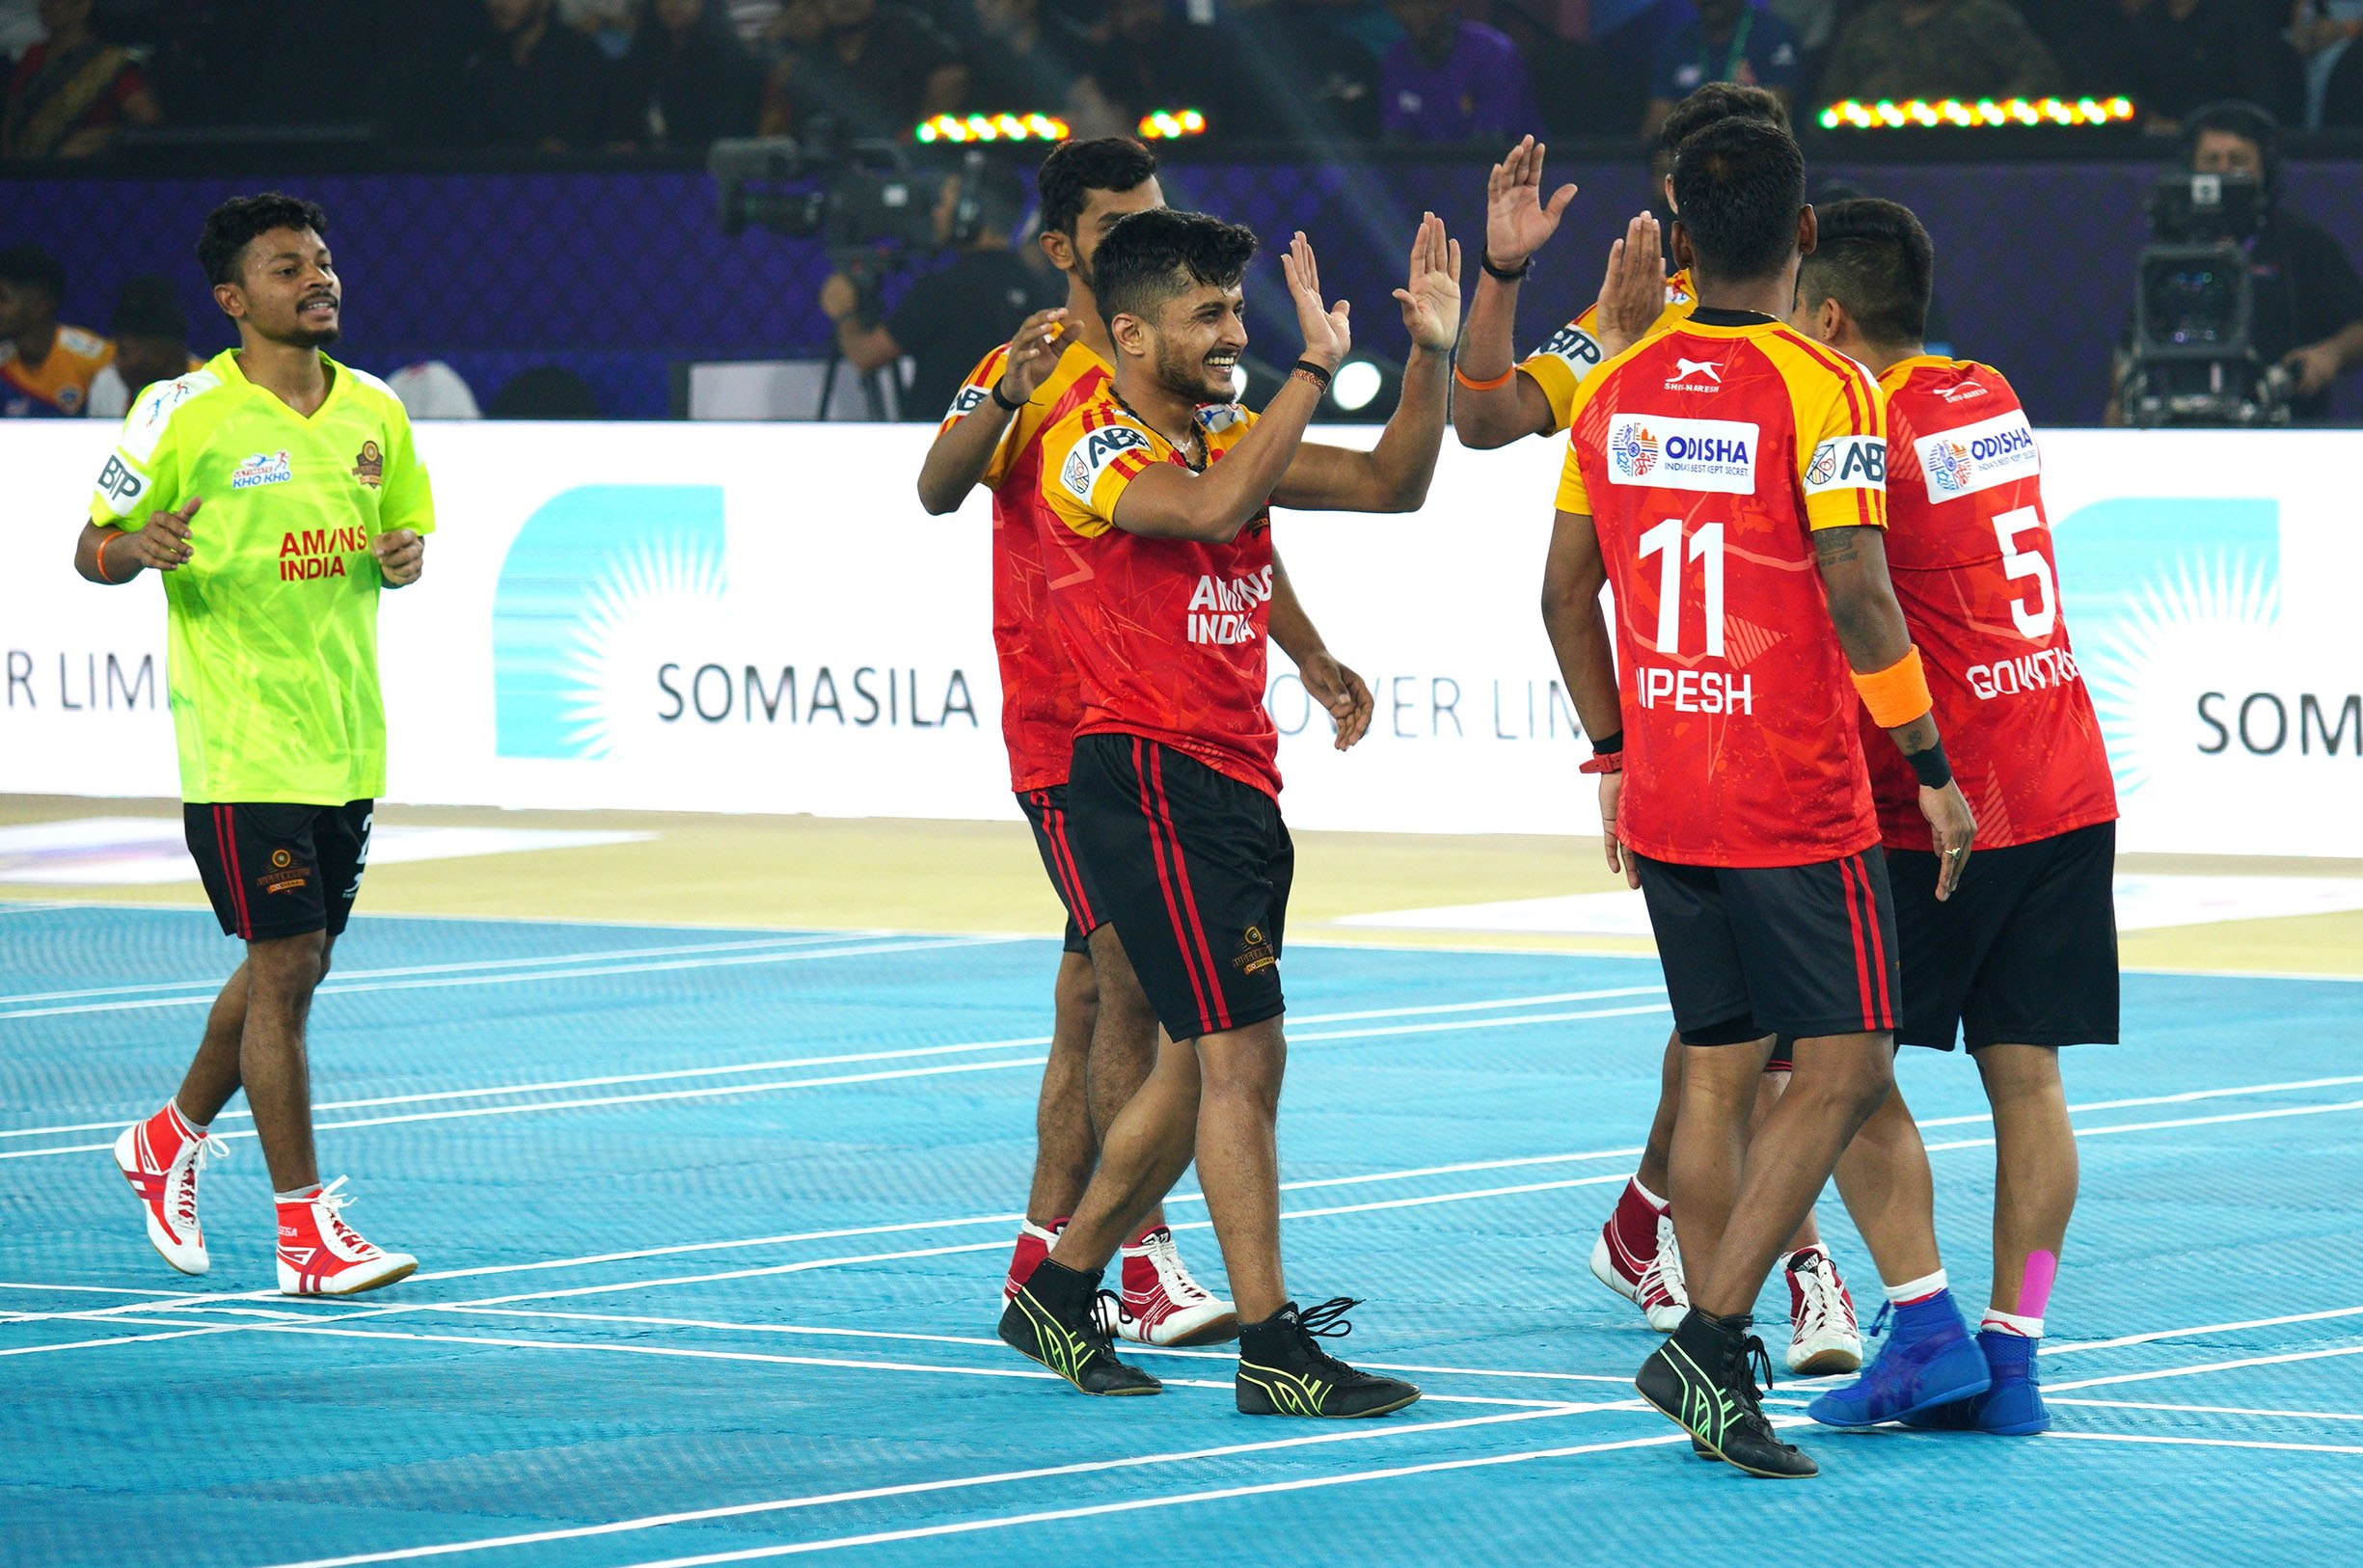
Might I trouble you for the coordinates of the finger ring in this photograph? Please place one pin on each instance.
(1955, 851)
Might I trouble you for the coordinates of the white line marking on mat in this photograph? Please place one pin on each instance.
(2207, 1328)
(2208, 1366)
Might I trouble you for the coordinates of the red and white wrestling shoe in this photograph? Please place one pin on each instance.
(320, 1255)
(1824, 1338)
(1160, 1304)
(1034, 1244)
(1635, 1257)
(161, 1158)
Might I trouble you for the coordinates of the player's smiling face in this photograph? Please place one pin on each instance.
(1199, 338)
(287, 289)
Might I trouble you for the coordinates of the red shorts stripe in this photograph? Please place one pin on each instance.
(225, 828)
(1854, 918)
(1056, 822)
(1189, 897)
(1164, 877)
(1879, 944)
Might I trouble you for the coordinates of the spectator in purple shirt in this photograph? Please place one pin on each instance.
(1451, 80)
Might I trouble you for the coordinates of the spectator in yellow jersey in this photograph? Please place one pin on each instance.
(46, 368)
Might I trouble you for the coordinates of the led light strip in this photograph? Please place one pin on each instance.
(961, 128)
(1887, 113)
(1167, 124)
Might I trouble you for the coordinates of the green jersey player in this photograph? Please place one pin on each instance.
(275, 492)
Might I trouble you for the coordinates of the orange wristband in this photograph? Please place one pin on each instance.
(111, 535)
(1502, 380)
(1897, 694)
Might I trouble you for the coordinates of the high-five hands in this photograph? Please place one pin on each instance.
(1327, 336)
(1431, 298)
(1518, 220)
(1033, 354)
(1633, 292)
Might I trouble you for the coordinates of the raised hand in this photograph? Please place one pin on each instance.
(1518, 220)
(1327, 336)
(1033, 354)
(1432, 299)
(1633, 292)
(164, 542)
(401, 556)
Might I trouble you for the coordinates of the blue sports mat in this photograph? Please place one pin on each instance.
(728, 1210)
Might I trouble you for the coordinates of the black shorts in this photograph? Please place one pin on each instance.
(1194, 870)
(1795, 951)
(1054, 837)
(2025, 953)
(280, 870)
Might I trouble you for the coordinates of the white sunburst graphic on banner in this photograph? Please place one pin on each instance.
(643, 608)
(2208, 626)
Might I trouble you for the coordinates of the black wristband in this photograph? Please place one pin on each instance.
(1308, 367)
(1002, 402)
(1605, 745)
(1508, 275)
(1935, 772)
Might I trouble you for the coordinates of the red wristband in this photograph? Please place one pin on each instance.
(108, 537)
(1605, 761)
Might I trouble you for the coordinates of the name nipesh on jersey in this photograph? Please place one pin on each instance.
(1717, 455)
(1978, 457)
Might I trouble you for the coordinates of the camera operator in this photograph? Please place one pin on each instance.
(952, 314)
(2307, 309)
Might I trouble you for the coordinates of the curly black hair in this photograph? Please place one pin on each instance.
(233, 225)
(1148, 258)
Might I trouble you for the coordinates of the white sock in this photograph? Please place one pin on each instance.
(1927, 1285)
(2025, 1327)
(1661, 1205)
(300, 1195)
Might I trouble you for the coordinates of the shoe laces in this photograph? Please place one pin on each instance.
(1180, 1288)
(1665, 1268)
(197, 1152)
(1823, 1301)
(1879, 1324)
(1327, 1321)
(326, 1202)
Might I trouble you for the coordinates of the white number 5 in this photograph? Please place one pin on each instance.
(2035, 624)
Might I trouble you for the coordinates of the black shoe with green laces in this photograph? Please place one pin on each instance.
(1054, 1319)
(1283, 1372)
(1704, 1380)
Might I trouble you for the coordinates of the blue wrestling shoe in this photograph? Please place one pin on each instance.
(2011, 1407)
(1927, 1361)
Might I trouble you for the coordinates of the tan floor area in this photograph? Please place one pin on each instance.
(904, 875)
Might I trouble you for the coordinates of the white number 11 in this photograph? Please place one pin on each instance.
(1706, 545)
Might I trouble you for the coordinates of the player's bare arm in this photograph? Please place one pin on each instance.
(114, 556)
(1170, 501)
(1393, 477)
(961, 452)
(1870, 627)
(1495, 406)
(1331, 684)
(1573, 574)
(401, 556)
(1633, 290)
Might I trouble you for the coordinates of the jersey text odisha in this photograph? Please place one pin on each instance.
(1039, 699)
(1706, 457)
(274, 620)
(1559, 365)
(1167, 633)
(1970, 553)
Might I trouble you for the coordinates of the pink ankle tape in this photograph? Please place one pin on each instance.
(2035, 1285)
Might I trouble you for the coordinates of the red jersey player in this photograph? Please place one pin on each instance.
(2023, 958)
(1636, 1254)
(1104, 1033)
(1161, 487)
(1728, 477)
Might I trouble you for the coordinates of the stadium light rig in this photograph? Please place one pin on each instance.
(966, 128)
(1887, 113)
(1169, 124)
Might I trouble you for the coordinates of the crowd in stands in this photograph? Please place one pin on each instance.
(617, 74)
